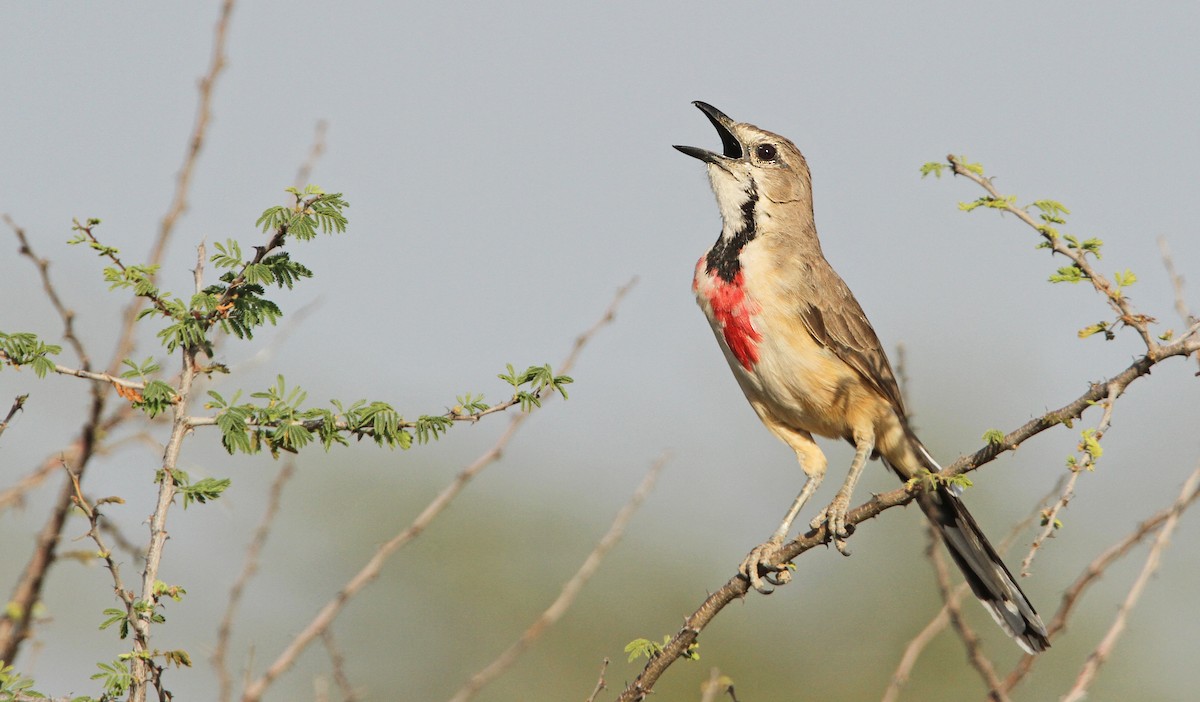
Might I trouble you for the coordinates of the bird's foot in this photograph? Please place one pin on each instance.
(834, 517)
(759, 559)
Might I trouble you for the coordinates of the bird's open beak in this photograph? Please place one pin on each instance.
(732, 148)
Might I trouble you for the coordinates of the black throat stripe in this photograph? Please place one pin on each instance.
(723, 257)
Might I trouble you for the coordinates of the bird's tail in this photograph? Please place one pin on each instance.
(987, 575)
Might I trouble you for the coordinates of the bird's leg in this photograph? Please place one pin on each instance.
(834, 516)
(760, 556)
(813, 463)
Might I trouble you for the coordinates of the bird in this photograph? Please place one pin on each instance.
(810, 363)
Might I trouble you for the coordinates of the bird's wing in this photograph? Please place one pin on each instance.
(840, 325)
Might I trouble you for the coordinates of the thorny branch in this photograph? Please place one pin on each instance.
(13, 630)
(67, 315)
(737, 587)
(142, 667)
(1074, 593)
(1086, 462)
(338, 663)
(1112, 293)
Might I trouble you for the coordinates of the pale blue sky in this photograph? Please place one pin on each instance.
(510, 166)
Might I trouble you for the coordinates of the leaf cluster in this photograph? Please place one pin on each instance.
(115, 677)
(25, 349)
(315, 209)
(237, 304)
(201, 491)
(651, 649)
(930, 480)
(540, 379)
(279, 421)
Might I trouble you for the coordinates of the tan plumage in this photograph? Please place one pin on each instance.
(809, 361)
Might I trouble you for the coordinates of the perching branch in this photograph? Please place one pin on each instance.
(1185, 345)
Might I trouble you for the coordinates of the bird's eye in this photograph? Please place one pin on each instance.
(766, 152)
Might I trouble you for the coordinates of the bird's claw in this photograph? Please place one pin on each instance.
(834, 518)
(760, 558)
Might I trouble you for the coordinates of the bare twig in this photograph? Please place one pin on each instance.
(338, 662)
(1181, 306)
(966, 634)
(304, 172)
(183, 181)
(1086, 462)
(17, 405)
(67, 316)
(1105, 648)
(918, 644)
(105, 553)
(255, 689)
(89, 375)
(569, 591)
(600, 684)
(1094, 570)
(120, 541)
(72, 454)
(14, 625)
(249, 568)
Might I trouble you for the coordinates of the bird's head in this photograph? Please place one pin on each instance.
(753, 165)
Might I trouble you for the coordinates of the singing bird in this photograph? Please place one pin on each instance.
(810, 364)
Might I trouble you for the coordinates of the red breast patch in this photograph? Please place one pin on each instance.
(734, 311)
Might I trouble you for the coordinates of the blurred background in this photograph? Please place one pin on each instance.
(509, 167)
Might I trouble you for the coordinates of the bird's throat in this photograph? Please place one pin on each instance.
(739, 230)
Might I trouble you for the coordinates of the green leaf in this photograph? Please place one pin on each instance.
(116, 616)
(994, 437)
(1124, 278)
(203, 490)
(1052, 210)
(642, 647)
(1090, 445)
(934, 167)
(115, 677)
(1068, 274)
(1097, 328)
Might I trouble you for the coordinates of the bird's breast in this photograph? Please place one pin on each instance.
(731, 312)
